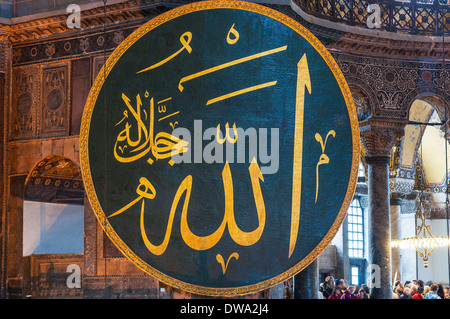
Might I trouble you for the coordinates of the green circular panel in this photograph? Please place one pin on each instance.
(220, 147)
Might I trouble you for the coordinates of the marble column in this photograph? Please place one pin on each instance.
(378, 139)
(400, 188)
(396, 203)
(277, 292)
(306, 283)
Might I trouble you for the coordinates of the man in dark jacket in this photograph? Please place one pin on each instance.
(327, 287)
(341, 284)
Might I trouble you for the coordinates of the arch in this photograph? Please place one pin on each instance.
(55, 179)
(363, 98)
(422, 155)
(438, 103)
(53, 208)
(361, 102)
(434, 99)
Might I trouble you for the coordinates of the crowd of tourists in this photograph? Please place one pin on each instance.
(416, 289)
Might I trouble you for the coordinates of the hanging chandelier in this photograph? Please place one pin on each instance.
(424, 242)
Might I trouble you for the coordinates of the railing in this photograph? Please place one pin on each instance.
(415, 16)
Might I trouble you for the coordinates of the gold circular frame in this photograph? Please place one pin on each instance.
(86, 120)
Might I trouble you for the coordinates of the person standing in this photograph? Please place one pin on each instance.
(327, 287)
(340, 283)
(420, 286)
(336, 294)
(440, 291)
(432, 294)
(414, 293)
(348, 293)
(447, 293)
(362, 294)
(407, 293)
(401, 293)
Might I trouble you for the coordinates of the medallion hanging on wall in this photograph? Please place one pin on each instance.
(220, 147)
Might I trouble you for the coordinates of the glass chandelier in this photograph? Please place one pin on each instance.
(424, 242)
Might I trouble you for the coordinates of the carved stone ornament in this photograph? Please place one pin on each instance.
(400, 187)
(391, 85)
(378, 137)
(55, 110)
(24, 102)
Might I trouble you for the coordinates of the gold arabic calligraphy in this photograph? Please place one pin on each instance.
(323, 159)
(138, 139)
(162, 146)
(146, 191)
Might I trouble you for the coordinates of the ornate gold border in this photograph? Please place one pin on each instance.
(84, 156)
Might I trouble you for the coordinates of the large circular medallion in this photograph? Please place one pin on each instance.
(220, 147)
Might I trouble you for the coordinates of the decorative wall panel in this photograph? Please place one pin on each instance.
(2, 57)
(46, 275)
(25, 102)
(81, 84)
(97, 65)
(55, 101)
(391, 86)
(72, 47)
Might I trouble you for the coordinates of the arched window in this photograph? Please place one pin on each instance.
(53, 211)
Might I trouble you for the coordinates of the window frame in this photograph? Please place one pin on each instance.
(355, 230)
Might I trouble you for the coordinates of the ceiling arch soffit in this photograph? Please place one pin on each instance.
(407, 156)
(434, 160)
(55, 179)
(362, 101)
(437, 102)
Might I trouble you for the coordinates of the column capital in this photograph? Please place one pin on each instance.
(378, 138)
(396, 201)
(446, 132)
(364, 201)
(400, 187)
